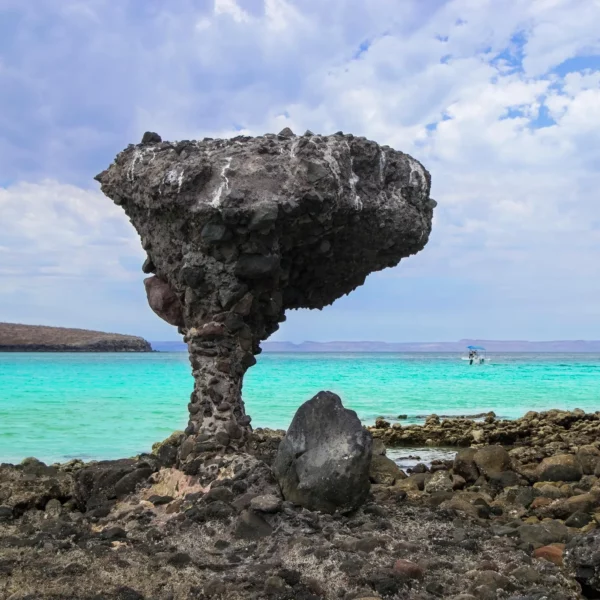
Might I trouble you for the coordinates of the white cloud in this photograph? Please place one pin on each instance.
(466, 86)
(69, 257)
(50, 229)
(231, 8)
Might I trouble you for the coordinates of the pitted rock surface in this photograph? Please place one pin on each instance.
(242, 229)
(324, 460)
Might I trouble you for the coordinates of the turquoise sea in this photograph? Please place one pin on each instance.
(90, 406)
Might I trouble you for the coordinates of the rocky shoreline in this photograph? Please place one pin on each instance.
(515, 521)
(556, 429)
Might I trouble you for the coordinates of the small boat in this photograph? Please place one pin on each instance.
(476, 355)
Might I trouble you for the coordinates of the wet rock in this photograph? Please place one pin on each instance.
(384, 470)
(440, 482)
(458, 482)
(589, 458)
(520, 496)
(504, 479)
(323, 462)
(464, 465)
(562, 467)
(420, 468)
(492, 460)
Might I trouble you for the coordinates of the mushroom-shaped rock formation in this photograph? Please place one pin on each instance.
(239, 230)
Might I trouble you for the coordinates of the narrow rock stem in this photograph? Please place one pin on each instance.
(218, 421)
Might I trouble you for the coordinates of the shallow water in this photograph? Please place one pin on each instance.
(407, 458)
(60, 406)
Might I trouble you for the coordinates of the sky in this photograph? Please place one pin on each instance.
(499, 99)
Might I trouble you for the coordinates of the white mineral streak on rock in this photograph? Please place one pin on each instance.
(294, 147)
(224, 185)
(353, 181)
(174, 176)
(333, 163)
(417, 175)
(137, 155)
(382, 165)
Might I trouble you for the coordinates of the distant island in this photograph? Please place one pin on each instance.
(460, 346)
(15, 337)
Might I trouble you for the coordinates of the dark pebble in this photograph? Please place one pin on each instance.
(159, 500)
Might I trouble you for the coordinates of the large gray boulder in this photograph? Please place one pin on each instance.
(238, 231)
(323, 461)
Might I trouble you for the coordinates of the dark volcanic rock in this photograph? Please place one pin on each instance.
(108, 480)
(464, 464)
(204, 544)
(492, 460)
(579, 430)
(240, 230)
(563, 467)
(583, 557)
(323, 461)
(31, 485)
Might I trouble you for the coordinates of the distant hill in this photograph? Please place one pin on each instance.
(460, 346)
(39, 338)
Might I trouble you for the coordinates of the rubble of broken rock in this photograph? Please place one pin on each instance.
(496, 522)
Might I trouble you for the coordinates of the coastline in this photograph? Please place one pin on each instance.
(514, 515)
(16, 337)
